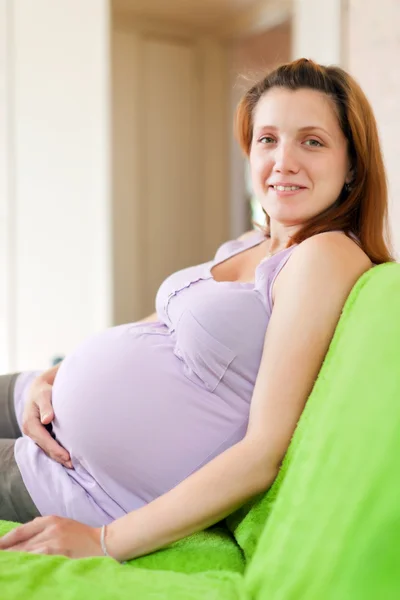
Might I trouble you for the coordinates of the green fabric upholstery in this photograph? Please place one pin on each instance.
(334, 531)
(33, 577)
(329, 527)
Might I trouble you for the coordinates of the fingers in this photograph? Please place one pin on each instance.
(22, 534)
(45, 405)
(47, 416)
(35, 430)
(54, 450)
(37, 537)
(50, 446)
(37, 414)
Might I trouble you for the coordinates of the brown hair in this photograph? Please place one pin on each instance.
(362, 207)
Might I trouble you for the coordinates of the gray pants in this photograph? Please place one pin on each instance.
(15, 501)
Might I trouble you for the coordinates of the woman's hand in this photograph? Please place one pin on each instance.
(54, 535)
(38, 413)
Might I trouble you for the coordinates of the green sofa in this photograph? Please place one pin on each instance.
(329, 528)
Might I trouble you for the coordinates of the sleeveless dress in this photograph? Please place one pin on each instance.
(141, 406)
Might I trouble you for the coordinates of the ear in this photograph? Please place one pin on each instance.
(349, 176)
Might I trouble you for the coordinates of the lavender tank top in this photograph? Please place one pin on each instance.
(141, 406)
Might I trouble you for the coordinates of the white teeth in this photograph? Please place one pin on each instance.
(283, 188)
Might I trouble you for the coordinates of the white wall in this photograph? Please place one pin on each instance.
(5, 184)
(59, 207)
(317, 30)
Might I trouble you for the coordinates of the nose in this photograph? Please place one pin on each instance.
(285, 159)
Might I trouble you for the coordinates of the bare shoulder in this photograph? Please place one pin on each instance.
(247, 234)
(327, 256)
(334, 242)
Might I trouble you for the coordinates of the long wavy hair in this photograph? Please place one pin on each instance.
(362, 206)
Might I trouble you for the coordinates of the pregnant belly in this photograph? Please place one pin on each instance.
(130, 418)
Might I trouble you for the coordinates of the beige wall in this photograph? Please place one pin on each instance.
(259, 53)
(373, 48)
(170, 167)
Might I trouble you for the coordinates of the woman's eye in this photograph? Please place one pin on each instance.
(314, 143)
(266, 139)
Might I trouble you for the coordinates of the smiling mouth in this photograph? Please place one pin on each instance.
(286, 188)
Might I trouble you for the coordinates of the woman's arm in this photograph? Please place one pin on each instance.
(309, 299)
(204, 498)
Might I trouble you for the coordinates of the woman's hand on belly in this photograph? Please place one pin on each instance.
(37, 417)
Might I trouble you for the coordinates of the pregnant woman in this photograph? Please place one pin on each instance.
(163, 427)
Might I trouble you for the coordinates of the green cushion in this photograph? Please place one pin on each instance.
(212, 557)
(33, 577)
(334, 532)
(213, 549)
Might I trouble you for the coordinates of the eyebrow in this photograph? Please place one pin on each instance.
(313, 127)
(302, 129)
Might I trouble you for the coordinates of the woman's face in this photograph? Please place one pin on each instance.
(298, 157)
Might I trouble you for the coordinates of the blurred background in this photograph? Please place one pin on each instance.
(117, 160)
